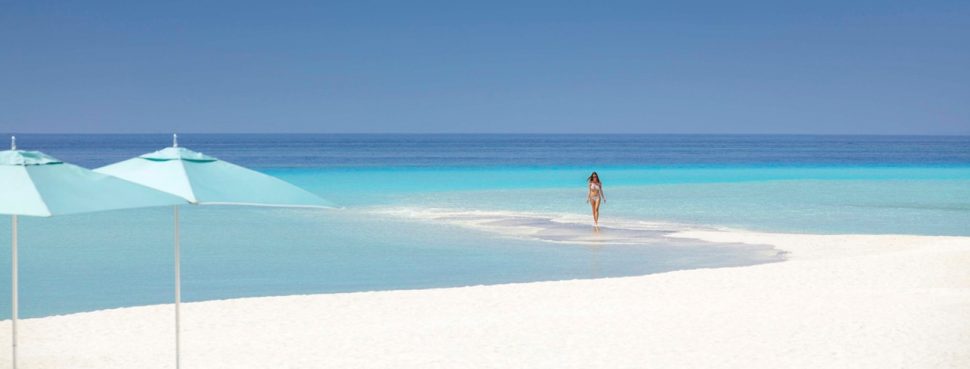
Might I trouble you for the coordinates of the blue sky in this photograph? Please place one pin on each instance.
(856, 67)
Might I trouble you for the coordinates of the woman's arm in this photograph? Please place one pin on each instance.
(602, 193)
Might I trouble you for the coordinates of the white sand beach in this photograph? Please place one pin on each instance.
(845, 301)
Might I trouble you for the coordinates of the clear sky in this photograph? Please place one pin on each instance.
(858, 67)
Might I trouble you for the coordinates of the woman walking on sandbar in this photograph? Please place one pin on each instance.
(595, 196)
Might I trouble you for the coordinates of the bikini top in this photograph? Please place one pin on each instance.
(594, 186)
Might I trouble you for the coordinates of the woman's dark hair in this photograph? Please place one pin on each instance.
(590, 179)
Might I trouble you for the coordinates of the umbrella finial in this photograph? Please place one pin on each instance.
(13, 142)
(175, 140)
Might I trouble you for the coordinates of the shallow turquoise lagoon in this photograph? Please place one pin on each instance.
(875, 199)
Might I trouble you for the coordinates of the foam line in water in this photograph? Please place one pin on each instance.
(549, 227)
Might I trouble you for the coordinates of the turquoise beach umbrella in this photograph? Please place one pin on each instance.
(35, 184)
(205, 180)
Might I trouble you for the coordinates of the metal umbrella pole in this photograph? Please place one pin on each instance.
(13, 287)
(178, 292)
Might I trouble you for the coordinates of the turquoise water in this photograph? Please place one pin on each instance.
(849, 199)
(445, 210)
(123, 258)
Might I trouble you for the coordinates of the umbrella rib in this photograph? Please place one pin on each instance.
(188, 182)
(264, 205)
(40, 198)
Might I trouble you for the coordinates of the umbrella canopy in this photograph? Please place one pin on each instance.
(37, 184)
(202, 179)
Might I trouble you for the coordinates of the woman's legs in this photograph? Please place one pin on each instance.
(595, 203)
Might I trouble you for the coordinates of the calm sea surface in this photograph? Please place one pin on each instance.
(421, 211)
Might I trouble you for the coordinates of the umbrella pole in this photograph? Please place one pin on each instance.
(178, 292)
(13, 288)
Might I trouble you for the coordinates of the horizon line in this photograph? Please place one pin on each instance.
(967, 134)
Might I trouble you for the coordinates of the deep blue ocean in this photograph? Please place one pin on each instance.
(423, 211)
